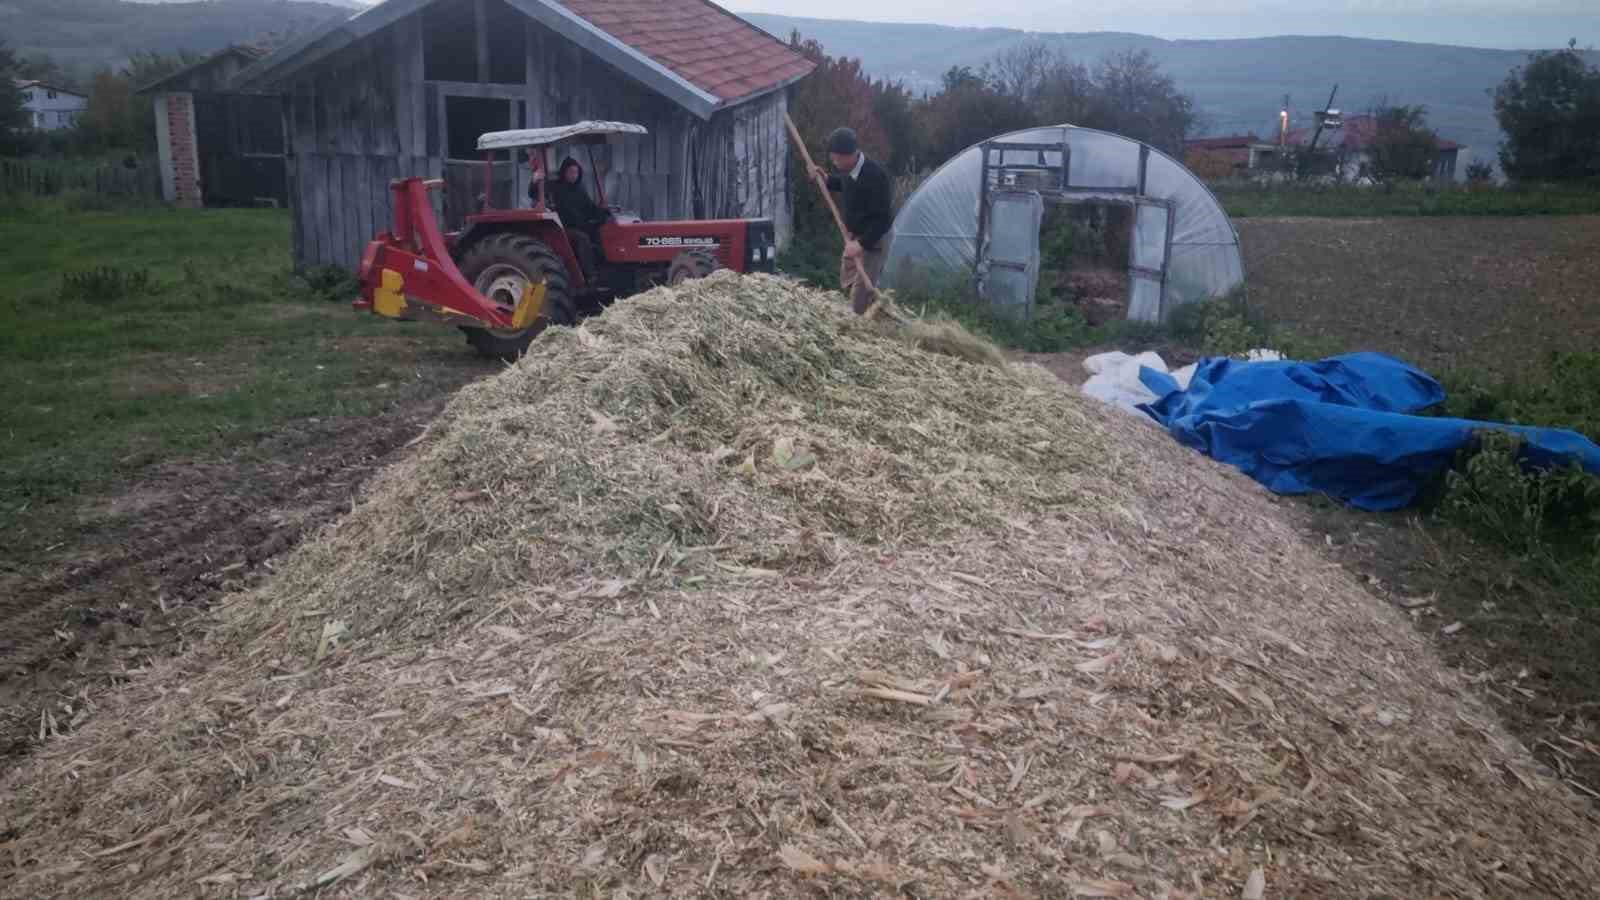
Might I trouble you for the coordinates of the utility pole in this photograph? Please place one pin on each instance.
(1328, 117)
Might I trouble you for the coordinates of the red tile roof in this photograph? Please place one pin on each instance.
(1231, 142)
(1358, 132)
(25, 83)
(701, 43)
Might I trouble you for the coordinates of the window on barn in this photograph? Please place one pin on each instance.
(51, 95)
(468, 117)
(450, 41)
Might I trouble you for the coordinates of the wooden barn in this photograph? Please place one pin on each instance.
(406, 87)
(218, 147)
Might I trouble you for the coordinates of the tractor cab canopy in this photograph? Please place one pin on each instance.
(580, 133)
(538, 141)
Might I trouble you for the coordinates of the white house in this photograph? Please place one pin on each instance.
(51, 107)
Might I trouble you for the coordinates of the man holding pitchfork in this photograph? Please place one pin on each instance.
(868, 213)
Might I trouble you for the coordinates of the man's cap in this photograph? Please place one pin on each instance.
(843, 141)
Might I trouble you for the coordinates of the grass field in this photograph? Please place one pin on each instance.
(109, 373)
(1253, 199)
(179, 409)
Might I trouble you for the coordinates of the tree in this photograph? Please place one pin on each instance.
(108, 118)
(959, 78)
(1402, 146)
(13, 116)
(967, 112)
(837, 93)
(1134, 98)
(1479, 172)
(1549, 111)
(896, 112)
(1066, 95)
(1056, 89)
(1020, 71)
(117, 117)
(1126, 93)
(42, 67)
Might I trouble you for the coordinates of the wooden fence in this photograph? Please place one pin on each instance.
(48, 178)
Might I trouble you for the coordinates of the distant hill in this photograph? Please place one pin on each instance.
(1238, 85)
(85, 34)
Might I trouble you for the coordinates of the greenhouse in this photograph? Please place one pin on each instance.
(980, 215)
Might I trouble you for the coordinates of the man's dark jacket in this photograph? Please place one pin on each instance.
(868, 203)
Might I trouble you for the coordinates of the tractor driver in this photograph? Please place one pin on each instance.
(581, 215)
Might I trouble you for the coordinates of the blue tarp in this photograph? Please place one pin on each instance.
(1344, 426)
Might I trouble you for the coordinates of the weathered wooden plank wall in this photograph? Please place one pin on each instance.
(740, 161)
(368, 114)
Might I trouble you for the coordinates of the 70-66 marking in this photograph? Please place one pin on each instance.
(677, 241)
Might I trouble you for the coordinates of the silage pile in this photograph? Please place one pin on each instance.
(726, 593)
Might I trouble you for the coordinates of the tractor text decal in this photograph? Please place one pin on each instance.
(676, 241)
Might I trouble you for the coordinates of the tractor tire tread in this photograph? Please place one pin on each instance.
(535, 255)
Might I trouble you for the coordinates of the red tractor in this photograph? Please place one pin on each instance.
(508, 273)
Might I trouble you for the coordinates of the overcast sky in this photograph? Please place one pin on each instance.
(1510, 24)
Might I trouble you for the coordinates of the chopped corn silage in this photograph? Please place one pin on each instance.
(725, 593)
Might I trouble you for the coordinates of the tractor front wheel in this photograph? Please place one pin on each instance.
(692, 264)
(500, 267)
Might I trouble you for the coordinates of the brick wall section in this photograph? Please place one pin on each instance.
(185, 157)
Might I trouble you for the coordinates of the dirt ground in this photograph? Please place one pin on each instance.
(146, 561)
(1490, 292)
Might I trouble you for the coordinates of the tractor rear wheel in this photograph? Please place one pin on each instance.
(692, 264)
(500, 267)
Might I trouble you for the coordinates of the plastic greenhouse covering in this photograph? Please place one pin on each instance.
(968, 217)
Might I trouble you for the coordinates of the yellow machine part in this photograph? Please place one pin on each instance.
(387, 300)
(530, 307)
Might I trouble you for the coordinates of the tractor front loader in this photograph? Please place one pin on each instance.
(510, 273)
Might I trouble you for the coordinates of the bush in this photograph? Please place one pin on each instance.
(335, 284)
(1228, 326)
(106, 283)
(813, 259)
(1550, 518)
(1224, 326)
(1053, 327)
(1565, 395)
(1243, 199)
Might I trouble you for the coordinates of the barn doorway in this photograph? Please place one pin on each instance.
(465, 118)
(239, 142)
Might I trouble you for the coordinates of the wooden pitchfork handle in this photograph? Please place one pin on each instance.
(827, 197)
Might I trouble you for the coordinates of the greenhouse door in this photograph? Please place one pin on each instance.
(1149, 259)
(1009, 265)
